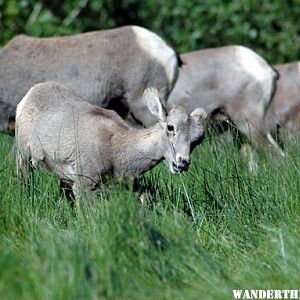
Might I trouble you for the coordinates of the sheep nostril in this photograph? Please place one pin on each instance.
(183, 165)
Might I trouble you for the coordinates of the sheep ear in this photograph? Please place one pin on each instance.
(199, 113)
(151, 96)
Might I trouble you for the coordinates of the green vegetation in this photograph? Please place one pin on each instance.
(245, 233)
(271, 28)
(203, 233)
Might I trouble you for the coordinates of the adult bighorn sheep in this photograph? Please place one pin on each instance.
(108, 68)
(284, 111)
(59, 132)
(230, 82)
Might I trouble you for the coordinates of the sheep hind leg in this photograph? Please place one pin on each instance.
(246, 151)
(274, 144)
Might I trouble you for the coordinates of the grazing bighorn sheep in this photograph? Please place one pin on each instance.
(108, 68)
(59, 132)
(284, 111)
(230, 82)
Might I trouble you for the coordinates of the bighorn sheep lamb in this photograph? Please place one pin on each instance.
(284, 111)
(108, 68)
(59, 132)
(231, 82)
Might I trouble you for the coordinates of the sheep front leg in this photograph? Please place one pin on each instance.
(24, 168)
(84, 189)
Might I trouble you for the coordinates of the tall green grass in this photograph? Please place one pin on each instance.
(200, 235)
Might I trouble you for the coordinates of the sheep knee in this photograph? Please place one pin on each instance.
(23, 167)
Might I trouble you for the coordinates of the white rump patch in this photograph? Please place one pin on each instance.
(259, 69)
(22, 103)
(252, 63)
(158, 50)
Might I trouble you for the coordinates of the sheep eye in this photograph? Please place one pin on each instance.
(170, 128)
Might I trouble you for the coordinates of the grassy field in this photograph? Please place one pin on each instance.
(204, 233)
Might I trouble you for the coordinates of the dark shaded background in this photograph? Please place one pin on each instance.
(272, 28)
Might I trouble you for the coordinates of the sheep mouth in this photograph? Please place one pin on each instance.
(179, 168)
(175, 168)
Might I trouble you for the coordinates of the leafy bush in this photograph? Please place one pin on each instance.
(271, 28)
